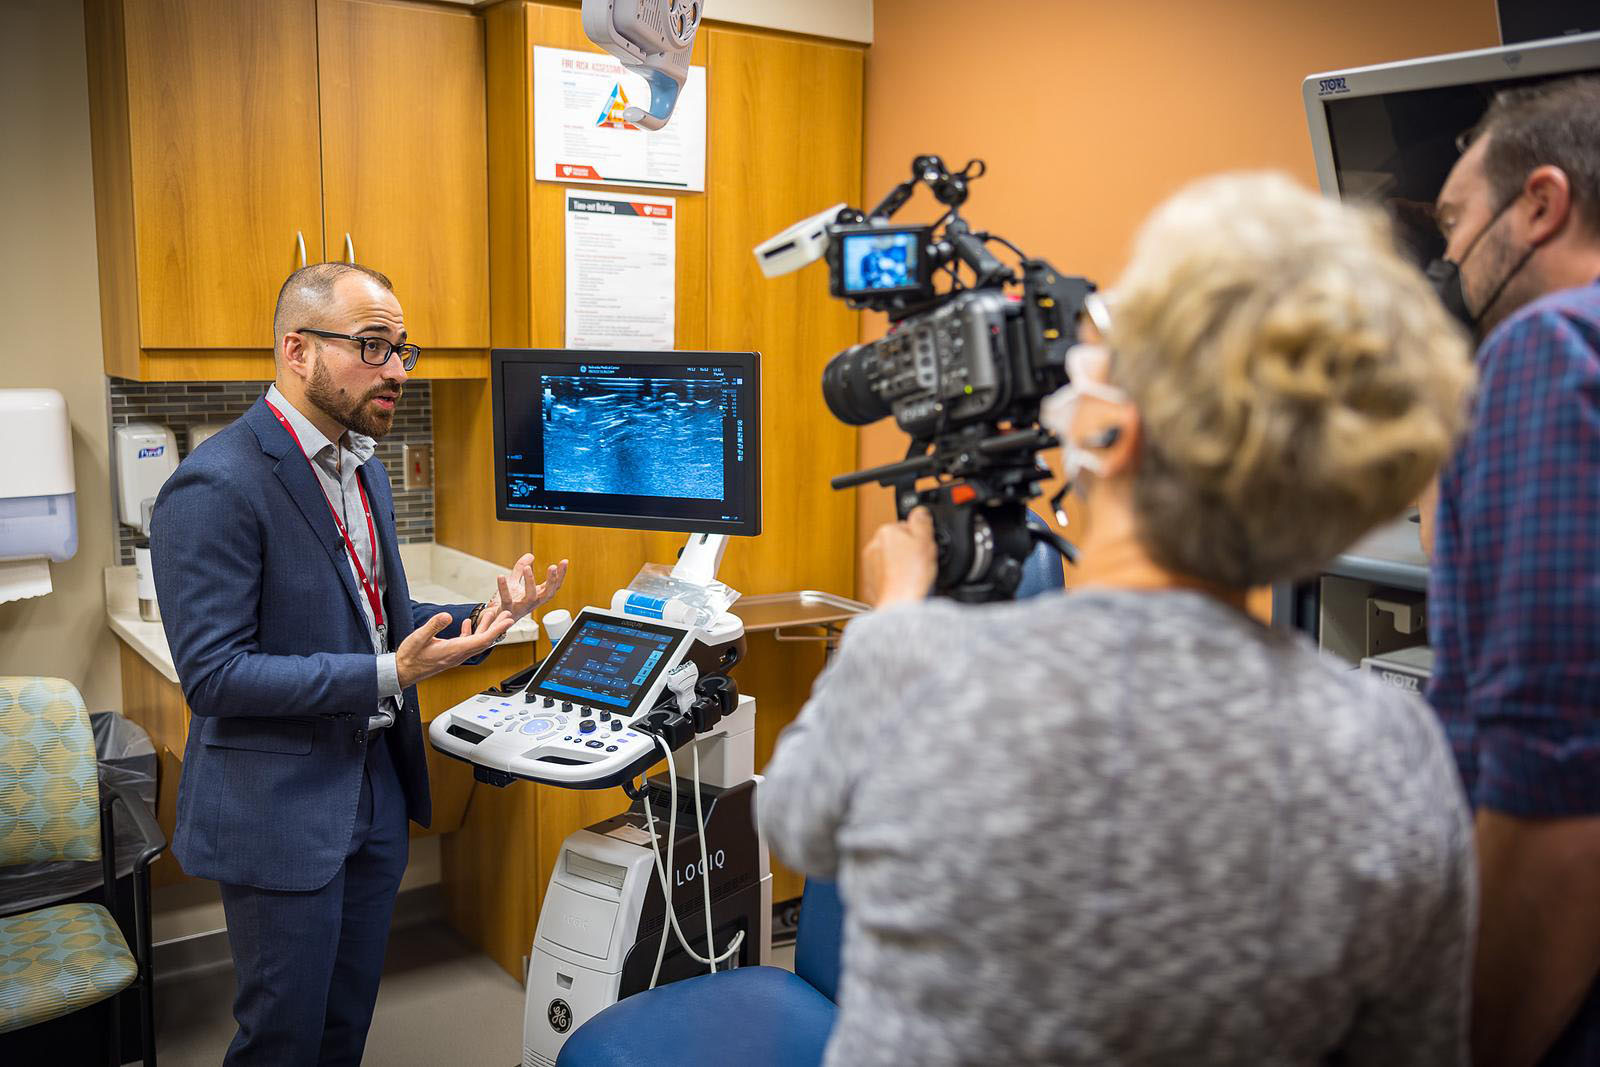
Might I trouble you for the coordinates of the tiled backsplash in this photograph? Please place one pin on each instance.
(179, 405)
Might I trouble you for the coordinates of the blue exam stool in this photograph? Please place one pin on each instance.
(750, 1015)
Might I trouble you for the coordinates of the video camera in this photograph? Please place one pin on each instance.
(963, 371)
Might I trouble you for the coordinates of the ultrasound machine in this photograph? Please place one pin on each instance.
(648, 441)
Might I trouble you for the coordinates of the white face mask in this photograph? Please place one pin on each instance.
(1086, 371)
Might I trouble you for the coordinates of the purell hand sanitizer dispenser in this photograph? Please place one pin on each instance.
(38, 494)
(146, 456)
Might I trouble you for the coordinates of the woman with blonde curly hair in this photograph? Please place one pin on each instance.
(1130, 824)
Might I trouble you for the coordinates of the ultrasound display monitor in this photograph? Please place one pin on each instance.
(1387, 134)
(635, 440)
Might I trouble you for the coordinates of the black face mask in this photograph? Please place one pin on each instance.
(1445, 274)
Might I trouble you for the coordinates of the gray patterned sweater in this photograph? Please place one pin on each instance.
(1126, 828)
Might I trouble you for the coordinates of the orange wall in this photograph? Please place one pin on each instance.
(1089, 114)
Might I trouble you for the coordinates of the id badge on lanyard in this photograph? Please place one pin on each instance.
(369, 586)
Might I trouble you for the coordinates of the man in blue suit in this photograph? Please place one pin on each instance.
(299, 649)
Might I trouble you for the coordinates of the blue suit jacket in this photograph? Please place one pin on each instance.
(273, 651)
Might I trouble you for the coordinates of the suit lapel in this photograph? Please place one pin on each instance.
(294, 472)
(397, 596)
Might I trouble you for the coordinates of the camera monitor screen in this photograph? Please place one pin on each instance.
(635, 440)
(885, 261)
(607, 663)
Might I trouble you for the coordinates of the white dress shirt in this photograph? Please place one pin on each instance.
(335, 464)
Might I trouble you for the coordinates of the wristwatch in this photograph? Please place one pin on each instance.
(477, 613)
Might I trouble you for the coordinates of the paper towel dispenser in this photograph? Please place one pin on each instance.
(38, 493)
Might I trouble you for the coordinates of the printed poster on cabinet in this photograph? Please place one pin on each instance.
(580, 135)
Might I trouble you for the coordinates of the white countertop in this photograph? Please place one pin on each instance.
(436, 574)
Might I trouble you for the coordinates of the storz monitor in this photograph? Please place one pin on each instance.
(1387, 134)
(631, 440)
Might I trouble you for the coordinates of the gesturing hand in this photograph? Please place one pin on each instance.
(517, 593)
(424, 654)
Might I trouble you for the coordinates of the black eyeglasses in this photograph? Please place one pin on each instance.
(374, 350)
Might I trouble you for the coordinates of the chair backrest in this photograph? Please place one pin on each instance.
(49, 783)
(821, 932)
(1043, 570)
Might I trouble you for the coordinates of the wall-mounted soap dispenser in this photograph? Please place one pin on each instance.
(146, 455)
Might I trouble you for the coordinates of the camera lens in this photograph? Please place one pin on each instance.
(847, 387)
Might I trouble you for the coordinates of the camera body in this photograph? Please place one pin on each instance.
(976, 356)
(962, 372)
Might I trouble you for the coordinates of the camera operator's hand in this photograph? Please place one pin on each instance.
(423, 654)
(901, 562)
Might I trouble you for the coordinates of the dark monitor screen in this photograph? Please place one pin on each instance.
(637, 440)
(607, 663)
(1396, 149)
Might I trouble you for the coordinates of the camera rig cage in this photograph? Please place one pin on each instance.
(962, 370)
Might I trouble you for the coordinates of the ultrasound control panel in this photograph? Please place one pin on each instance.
(573, 724)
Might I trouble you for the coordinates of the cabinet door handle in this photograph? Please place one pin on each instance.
(300, 240)
(349, 249)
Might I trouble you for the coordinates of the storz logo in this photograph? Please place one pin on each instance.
(152, 452)
(1408, 682)
(1332, 87)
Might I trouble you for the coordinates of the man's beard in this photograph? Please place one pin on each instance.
(358, 415)
(1503, 284)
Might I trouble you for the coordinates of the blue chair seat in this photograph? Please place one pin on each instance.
(758, 1015)
(56, 960)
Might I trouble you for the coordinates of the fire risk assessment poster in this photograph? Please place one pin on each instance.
(621, 270)
(579, 134)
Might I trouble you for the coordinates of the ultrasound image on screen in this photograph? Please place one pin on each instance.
(651, 441)
(659, 437)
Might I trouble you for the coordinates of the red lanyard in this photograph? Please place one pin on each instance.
(369, 586)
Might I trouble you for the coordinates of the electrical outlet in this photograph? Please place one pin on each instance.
(418, 461)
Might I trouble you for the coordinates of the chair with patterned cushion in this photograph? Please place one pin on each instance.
(59, 959)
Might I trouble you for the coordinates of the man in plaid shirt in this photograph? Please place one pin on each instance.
(1514, 597)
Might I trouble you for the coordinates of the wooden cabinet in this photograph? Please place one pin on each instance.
(234, 140)
(404, 165)
(223, 131)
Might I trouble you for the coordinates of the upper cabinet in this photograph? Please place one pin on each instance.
(222, 121)
(404, 165)
(234, 140)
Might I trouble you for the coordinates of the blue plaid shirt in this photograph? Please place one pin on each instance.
(1514, 595)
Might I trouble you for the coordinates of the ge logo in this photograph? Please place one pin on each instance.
(560, 1016)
